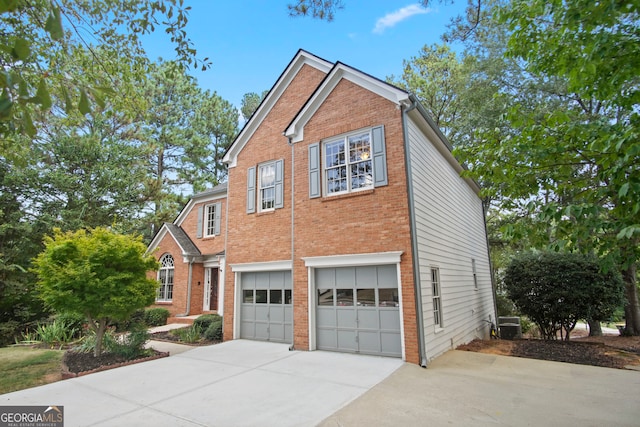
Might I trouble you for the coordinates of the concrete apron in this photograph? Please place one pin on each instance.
(472, 389)
(240, 383)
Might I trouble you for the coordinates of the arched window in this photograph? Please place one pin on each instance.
(165, 277)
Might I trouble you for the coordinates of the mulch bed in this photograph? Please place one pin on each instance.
(78, 364)
(608, 352)
(169, 337)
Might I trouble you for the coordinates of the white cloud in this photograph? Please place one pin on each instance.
(391, 19)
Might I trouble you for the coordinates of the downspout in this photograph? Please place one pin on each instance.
(492, 275)
(293, 297)
(414, 239)
(186, 313)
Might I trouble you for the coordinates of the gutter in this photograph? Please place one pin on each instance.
(422, 350)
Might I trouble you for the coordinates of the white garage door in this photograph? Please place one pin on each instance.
(358, 310)
(266, 311)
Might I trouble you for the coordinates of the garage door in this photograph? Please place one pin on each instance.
(266, 311)
(357, 310)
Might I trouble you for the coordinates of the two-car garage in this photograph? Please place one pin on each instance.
(352, 308)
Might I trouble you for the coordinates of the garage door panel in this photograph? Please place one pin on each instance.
(345, 318)
(326, 317)
(390, 319)
(346, 277)
(366, 277)
(247, 330)
(347, 340)
(369, 342)
(327, 339)
(390, 343)
(368, 319)
(247, 313)
(276, 314)
(387, 276)
(262, 331)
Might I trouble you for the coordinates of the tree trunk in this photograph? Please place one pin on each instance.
(595, 328)
(632, 309)
(102, 326)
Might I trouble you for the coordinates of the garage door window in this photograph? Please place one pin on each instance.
(247, 296)
(344, 297)
(275, 296)
(325, 297)
(261, 296)
(388, 298)
(366, 297)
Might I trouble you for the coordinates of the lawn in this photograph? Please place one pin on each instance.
(25, 367)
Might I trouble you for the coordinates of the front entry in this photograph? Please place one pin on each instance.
(210, 300)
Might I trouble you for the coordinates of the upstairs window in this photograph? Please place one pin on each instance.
(210, 220)
(209, 217)
(350, 163)
(267, 186)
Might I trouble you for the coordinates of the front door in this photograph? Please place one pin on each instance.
(213, 289)
(210, 300)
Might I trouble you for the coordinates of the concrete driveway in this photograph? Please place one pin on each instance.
(237, 383)
(463, 388)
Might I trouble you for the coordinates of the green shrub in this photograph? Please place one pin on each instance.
(189, 335)
(203, 322)
(54, 334)
(135, 321)
(131, 345)
(73, 321)
(8, 332)
(214, 331)
(556, 290)
(156, 316)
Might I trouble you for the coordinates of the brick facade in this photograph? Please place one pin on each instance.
(371, 221)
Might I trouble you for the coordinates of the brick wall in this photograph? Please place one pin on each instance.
(370, 221)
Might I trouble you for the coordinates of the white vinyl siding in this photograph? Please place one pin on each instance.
(450, 231)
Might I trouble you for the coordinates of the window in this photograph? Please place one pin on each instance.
(437, 303)
(267, 186)
(210, 220)
(475, 275)
(347, 164)
(165, 277)
(266, 189)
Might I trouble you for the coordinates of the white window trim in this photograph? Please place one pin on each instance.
(376, 258)
(323, 162)
(259, 188)
(205, 220)
(439, 326)
(163, 285)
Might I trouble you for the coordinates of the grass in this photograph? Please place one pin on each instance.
(25, 367)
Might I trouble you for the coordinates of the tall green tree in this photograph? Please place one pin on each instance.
(250, 103)
(38, 32)
(216, 126)
(573, 158)
(99, 274)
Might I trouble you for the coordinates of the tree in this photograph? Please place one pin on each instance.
(556, 290)
(250, 103)
(216, 125)
(574, 151)
(38, 33)
(98, 274)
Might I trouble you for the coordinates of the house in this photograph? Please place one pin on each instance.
(348, 225)
(345, 225)
(191, 255)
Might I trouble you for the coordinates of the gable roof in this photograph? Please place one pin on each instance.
(340, 71)
(217, 192)
(301, 58)
(187, 247)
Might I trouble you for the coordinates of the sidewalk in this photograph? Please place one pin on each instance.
(171, 347)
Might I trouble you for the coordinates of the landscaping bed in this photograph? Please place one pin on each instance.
(79, 363)
(171, 337)
(607, 351)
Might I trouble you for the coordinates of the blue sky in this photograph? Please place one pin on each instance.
(251, 42)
